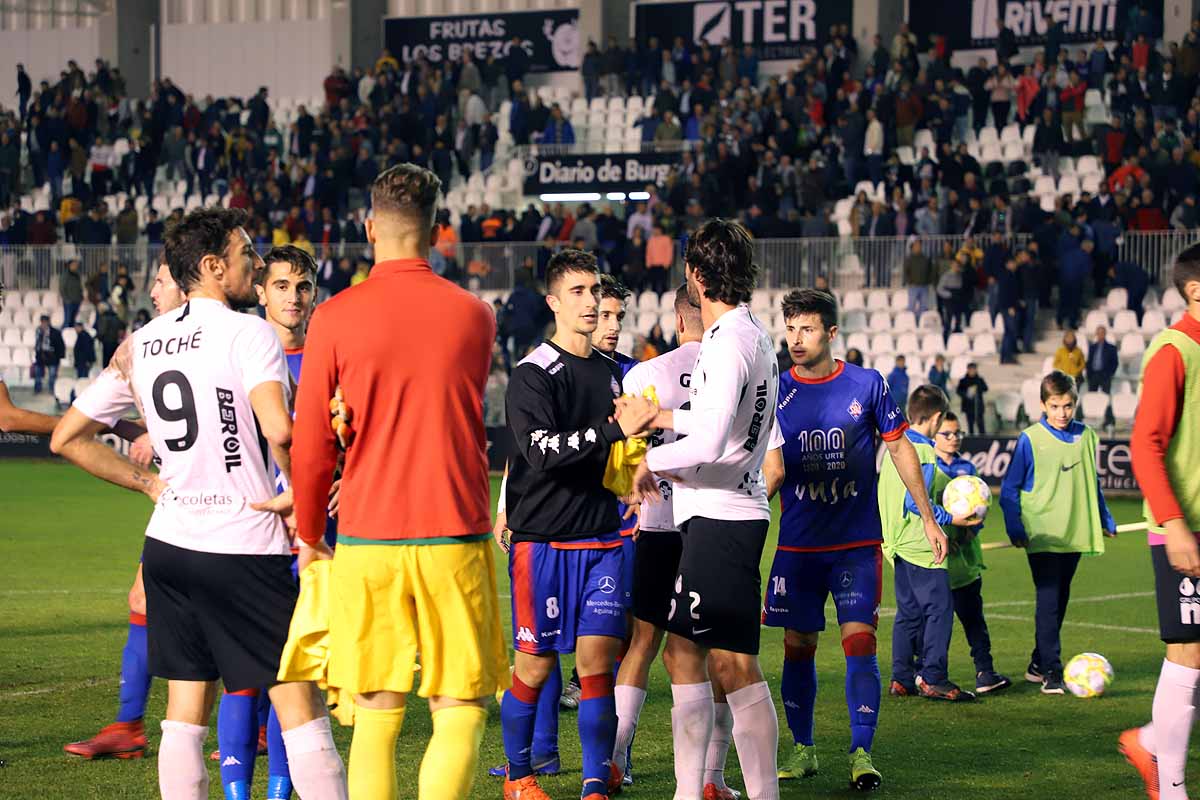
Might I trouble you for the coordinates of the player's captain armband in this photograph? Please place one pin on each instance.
(624, 457)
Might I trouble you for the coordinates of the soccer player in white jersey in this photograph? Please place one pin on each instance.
(720, 504)
(658, 546)
(219, 589)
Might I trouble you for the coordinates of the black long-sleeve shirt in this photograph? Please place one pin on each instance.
(558, 406)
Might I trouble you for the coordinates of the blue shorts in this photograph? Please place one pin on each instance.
(801, 582)
(562, 592)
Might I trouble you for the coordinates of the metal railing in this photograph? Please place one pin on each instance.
(845, 262)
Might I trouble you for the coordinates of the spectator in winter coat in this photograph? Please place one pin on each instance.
(84, 351)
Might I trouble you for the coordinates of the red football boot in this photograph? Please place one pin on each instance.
(118, 740)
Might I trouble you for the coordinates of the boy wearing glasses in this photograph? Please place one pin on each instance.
(965, 562)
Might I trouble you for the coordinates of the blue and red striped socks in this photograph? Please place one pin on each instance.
(597, 731)
(518, 712)
(798, 689)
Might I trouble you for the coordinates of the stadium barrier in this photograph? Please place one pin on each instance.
(846, 262)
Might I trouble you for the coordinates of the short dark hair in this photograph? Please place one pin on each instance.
(1059, 382)
(949, 416)
(568, 260)
(301, 261)
(201, 233)
(925, 402)
(721, 251)
(613, 289)
(810, 301)
(1186, 267)
(409, 191)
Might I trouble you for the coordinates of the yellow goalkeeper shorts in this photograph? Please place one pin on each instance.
(392, 604)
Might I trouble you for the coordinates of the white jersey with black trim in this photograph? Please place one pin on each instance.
(191, 372)
(723, 438)
(670, 374)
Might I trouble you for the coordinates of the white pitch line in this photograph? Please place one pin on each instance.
(10, 592)
(62, 687)
(1073, 623)
(1103, 598)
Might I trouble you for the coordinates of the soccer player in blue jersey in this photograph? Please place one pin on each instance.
(245, 721)
(829, 413)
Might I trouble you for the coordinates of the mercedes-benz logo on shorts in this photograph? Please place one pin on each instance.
(846, 579)
(531, 166)
(608, 585)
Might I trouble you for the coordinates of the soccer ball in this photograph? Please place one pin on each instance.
(967, 496)
(1088, 675)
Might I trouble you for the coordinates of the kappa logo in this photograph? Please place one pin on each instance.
(712, 22)
(523, 635)
(230, 761)
(865, 709)
(607, 584)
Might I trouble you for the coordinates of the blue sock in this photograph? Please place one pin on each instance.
(518, 710)
(597, 731)
(863, 693)
(279, 781)
(135, 678)
(237, 739)
(263, 708)
(798, 688)
(545, 726)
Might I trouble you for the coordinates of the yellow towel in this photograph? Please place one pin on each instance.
(306, 654)
(624, 457)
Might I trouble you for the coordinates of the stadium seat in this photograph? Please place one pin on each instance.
(906, 155)
(22, 357)
(1087, 165)
(882, 363)
(957, 345)
(69, 336)
(1132, 348)
(1047, 365)
(634, 104)
(988, 135)
(1120, 386)
(958, 367)
(1124, 407)
(647, 320)
(760, 300)
(980, 322)
(864, 187)
(991, 152)
(858, 340)
(63, 392)
(29, 336)
(1095, 408)
(1012, 153)
(853, 321)
(1178, 315)
(11, 337)
(878, 300)
(904, 321)
(1066, 166)
(930, 321)
(1011, 133)
(625, 342)
(853, 301)
(1008, 407)
(880, 321)
(931, 344)
(1031, 404)
(882, 343)
(1116, 299)
(1044, 185)
(983, 345)
(1094, 319)
(597, 104)
(1091, 183)
(1068, 184)
(648, 301)
(924, 138)
(1125, 321)
(907, 343)
(1153, 321)
(1172, 300)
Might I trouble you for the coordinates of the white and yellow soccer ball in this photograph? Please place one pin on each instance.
(1088, 675)
(967, 496)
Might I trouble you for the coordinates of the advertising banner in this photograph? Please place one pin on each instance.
(551, 37)
(975, 24)
(597, 172)
(776, 29)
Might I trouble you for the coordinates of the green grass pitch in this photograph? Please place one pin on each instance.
(70, 545)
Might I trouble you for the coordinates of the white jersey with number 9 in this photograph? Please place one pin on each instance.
(191, 372)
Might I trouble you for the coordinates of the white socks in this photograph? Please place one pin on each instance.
(756, 734)
(691, 725)
(718, 746)
(182, 773)
(1174, 710)
(317, 770)
(630, 700)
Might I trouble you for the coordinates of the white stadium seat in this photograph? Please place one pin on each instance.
(931, 344)
(853, 301)
(882, 343)
(1116, 299)
(1132, 348)
(1095, 319)
(1124, 406)
(858, 341)
(904, 321)
(1008, 406)
(1095, 408)
(853, 321)
(1125, 321)
(878, 300)
(1172, 300)
(880, 321)
(957, 344)
(983, 345)
(1153, 321)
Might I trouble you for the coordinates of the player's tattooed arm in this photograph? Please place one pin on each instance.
(75, 440)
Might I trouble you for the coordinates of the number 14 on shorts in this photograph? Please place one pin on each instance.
(693, 608)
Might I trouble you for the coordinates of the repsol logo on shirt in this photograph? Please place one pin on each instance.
(756, 422)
